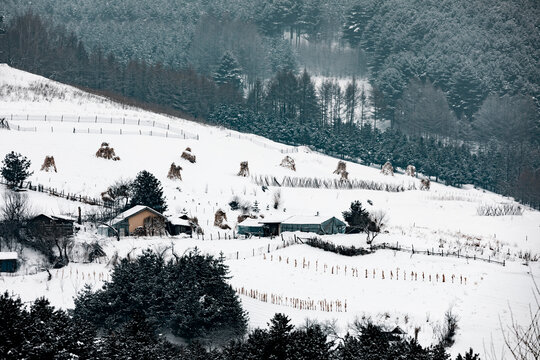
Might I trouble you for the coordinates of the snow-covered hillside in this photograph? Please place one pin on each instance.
(443, 218)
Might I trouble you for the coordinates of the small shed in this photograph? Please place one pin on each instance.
(179, 225)
(8, 261)
(251, 227)
(52, 224)
(316, 224)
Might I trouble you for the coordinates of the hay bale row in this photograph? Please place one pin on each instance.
(318, 183)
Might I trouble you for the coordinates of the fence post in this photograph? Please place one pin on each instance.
(269, 248)
(52, 129)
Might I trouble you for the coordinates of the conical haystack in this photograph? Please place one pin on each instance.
(288, 162)
(174, 172)
(244, 169)
(189, 156)
(107, 152)
(387, 169)
(48, 163)
(341, 167)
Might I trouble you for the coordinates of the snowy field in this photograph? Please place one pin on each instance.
(394, 292)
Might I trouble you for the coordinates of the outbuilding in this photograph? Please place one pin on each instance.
(8, 261)
(251, 227)
(316, 224)
(179, 225)
(52, 224)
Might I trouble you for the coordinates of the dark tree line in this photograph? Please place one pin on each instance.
(289, 108)
(468, 49)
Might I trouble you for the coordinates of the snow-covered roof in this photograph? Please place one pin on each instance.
(133, 211)
(178, 221)
(272, 219)
(251, 222)
(305, 219)
(9, 255)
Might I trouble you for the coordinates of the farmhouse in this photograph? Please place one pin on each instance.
(138, 217)
(316, 224)
(53, 225)
(251, 227)
(8, 261)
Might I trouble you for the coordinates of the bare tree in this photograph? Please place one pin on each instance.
(377, 222)
(523, 340)
(14, 213)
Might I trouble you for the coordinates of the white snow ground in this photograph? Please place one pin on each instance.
(442, 218)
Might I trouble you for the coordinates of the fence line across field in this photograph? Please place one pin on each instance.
(61, 194)
(172, 131)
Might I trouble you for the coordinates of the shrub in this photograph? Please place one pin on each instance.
(337, 249)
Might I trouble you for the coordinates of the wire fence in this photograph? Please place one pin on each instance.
(171, 131)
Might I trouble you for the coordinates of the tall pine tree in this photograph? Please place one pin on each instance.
(147, 190)
(229, 72)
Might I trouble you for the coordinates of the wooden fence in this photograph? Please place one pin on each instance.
(61, 194)
(171, 130)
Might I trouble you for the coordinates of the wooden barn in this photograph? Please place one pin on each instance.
(8, 261)
(251, 227)
(129, 221)
(51, 224)
(316, 224)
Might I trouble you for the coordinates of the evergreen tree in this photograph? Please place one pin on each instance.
(147, 190)
(469, 355)
(357, 217)
(307, 100)
(15, 169)
(229, 72)
(355, 23)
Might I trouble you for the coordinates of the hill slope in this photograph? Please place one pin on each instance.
(54, 119)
